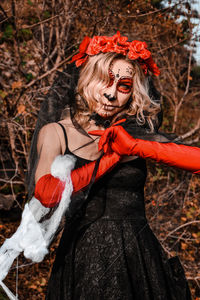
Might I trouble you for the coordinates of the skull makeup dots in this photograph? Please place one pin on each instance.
(116, 95)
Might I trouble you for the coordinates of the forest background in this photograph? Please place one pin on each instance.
(37, 40)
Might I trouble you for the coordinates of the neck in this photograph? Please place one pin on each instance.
(100, 121)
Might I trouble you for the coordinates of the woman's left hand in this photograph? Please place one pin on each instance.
(118, 140)
(107, 136)
(115, 138)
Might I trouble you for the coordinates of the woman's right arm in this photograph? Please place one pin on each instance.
(48, 147)
(48, 189)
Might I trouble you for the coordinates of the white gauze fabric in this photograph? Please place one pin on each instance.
(35, 232)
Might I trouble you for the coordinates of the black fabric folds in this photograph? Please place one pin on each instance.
(108, 251)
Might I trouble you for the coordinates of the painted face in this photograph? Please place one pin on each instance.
(117, 93)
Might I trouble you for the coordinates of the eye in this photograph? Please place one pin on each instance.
(112, 77)
(125, 85)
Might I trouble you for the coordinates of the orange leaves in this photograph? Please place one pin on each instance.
(184, 246)
(16, 85)
(38, 284)
(21, 109)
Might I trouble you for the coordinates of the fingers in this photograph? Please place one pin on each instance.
(107, 139)
(105, 148)
(103, 143)
(107, 136)
(119, 122)
(102, 140)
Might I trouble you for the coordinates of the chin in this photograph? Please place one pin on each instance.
(107, 114)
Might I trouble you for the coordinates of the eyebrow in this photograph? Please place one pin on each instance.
(126, 78)
(123, 76)
(130, 70)
(127, 71)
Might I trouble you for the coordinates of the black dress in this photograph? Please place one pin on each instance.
(108, 251)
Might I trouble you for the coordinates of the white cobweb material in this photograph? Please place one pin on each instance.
(36, 232)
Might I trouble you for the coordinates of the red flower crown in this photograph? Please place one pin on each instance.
(135, 50)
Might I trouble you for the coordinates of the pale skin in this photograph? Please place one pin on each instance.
(51, 141)
(120, 89)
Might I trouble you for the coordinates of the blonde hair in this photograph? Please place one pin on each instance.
(94, 77)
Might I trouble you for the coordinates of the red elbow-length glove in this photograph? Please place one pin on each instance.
(48, 189)
(117, 139)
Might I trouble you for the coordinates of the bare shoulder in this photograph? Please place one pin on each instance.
(67, 122)
(52, 133)
(49, 128)
(49, 136)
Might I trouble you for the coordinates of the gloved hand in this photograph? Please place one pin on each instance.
(48, 189)
(117, 139)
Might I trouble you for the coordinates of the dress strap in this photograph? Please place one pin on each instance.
(65, 135)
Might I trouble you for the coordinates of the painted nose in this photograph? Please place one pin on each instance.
(111, 92)
(109, 97)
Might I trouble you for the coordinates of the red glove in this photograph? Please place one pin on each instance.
(48, 189)
(117, 139)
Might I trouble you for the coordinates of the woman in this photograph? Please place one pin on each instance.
(107, 250)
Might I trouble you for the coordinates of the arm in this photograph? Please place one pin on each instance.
(117, 139)
(48, 189)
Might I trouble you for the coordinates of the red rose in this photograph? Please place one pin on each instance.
(138, 49)
(93, 47)
(84, 45)
(80, 61)
(121, 45)
(144, 67)
(132, 54)
(152, 66)
(121, 39)
(79, 58)
(107, 45)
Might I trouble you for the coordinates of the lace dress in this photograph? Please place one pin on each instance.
(108, 251)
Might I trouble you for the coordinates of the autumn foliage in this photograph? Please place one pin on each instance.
(37, 39)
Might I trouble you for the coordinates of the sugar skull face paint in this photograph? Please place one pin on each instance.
(124, 83)
(119, 90)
